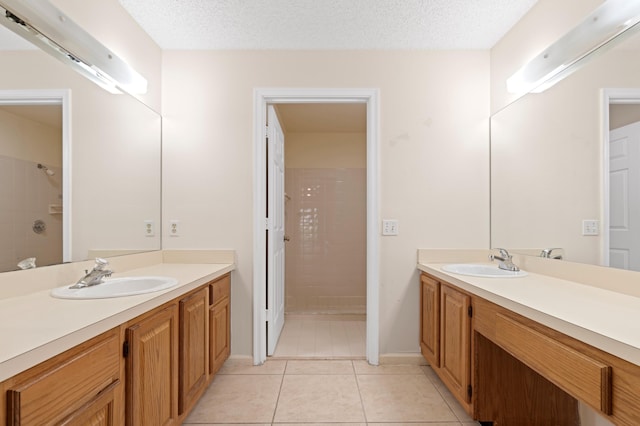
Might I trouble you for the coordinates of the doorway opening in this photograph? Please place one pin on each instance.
(265, 234)
(34, 166)
(325, 231)
(621, 177)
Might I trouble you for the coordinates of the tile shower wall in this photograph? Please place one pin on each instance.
(326, 255)
(28, 194)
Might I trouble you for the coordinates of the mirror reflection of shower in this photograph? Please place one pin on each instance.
(45, 169)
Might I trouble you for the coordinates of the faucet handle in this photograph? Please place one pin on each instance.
(504, 253)
(100, 264)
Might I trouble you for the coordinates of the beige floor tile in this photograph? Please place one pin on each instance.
(227, 424)
(245, 366)
(238, 399)
(319, 367)
(416, 424)
(363, 367)
(326, 424)
(453, 403)
(322, 337)
(319, 398)
(402, 398)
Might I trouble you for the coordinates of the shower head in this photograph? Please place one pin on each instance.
(46, 170)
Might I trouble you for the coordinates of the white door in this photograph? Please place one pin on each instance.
(624, 197)
(275, 231)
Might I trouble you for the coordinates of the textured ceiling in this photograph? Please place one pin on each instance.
(327, 24)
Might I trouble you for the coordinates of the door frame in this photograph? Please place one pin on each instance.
(261, 98)
(610, 96)
(53, 97)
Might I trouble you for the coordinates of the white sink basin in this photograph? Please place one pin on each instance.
(116, 287)
(486, 271)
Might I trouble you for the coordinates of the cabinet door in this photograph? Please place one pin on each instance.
(152, 369)
(193, 347)
(220, 338)
(455, 341)
(430, 320)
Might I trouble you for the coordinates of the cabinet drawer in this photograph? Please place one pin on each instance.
(220, 289)
(69, 383)
(579, 375)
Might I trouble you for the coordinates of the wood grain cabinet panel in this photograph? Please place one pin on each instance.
(579, 375)
(219, 324)
(193, 347)
(430, 320)
(455, 342)
(74, 385)
(152, 366)
(99, 412)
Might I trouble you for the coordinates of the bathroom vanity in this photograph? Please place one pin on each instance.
(151, 365)
(509, 355)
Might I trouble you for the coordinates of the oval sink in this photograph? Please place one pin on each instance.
(486, 271)
(116, 287)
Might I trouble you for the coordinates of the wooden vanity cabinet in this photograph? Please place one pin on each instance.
(194, 348)
(445, 336)
(78, 387)
(150, 370)
(219, 323)
(151, 351)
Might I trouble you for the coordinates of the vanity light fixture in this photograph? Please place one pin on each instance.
(608, 22)
(48, 28)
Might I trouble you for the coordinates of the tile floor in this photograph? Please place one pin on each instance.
(322, 337)
(340, 392)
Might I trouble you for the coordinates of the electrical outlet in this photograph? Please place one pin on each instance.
(149, 228)
(174, 228)
(590, 227)
(389, 227)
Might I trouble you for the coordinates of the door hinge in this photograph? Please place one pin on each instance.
(266, 131)
(469, 391)
(125, 349)
(267, 224)
(267, 315)
(470, 311)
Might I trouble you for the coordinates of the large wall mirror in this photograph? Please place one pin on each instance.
(105, 172)
(554, 178)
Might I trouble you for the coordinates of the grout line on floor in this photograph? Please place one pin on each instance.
(275, 408)
(364, 411)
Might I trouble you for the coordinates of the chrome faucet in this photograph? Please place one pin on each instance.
(96, 275)
(548, 253)
(506, 261)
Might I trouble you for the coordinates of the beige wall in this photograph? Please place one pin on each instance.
(325, 150)
(29, 140)
(433, 159)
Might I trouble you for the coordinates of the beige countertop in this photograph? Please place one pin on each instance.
(605, 319)
(35, 327)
